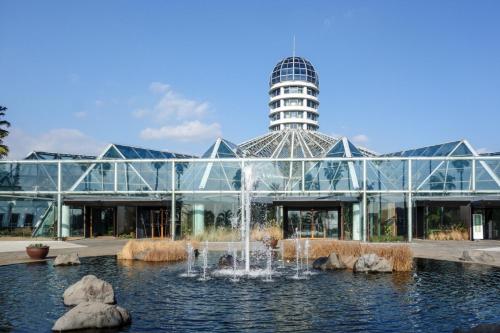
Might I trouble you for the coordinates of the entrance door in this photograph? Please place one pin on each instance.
(102, 221)
(312, 223)
(153, 222)
(492, 223)
(159, 223)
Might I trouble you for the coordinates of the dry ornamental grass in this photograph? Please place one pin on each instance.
(155, 250)
(399, 254)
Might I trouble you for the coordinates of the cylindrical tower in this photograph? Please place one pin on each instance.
(293, 92)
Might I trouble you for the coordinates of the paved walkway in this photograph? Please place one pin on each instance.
(12, 252)
(84, 248)
(483, 252)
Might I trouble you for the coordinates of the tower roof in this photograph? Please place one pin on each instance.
(294, 69)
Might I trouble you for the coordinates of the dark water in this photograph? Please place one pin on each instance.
(436, 297)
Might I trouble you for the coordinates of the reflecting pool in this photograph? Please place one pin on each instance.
(436, 297)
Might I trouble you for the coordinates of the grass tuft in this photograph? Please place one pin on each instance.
(400, 255)
(155, 250)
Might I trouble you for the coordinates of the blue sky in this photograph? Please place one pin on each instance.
(176, 74)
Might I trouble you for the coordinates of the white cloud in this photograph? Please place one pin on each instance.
(61, 140)
(172, 104)
(140, 113)
(360, 139)
(190, 131)
(483, 150)
(158, 87)
(80, 115)
(99, 103)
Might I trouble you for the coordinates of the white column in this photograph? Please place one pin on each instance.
(198, 219)
(65, 221)
(364, 213)
(59, 201)
(172, 208)
(410, 204)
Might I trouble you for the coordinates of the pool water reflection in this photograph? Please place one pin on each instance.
(436, 297)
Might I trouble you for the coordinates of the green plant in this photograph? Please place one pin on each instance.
(386, 238)
(37, 245)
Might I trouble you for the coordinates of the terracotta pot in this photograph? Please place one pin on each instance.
(37, 252)
(273, 243)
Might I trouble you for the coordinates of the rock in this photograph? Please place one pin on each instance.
(319, 262)
(89, 289)
(67, 259)
(226, 261)
(328, 263)
(348, 261)
(89, 315)
(333, 262)
(482, 328)
(371, 263)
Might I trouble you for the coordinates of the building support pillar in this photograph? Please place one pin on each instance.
(410, 204)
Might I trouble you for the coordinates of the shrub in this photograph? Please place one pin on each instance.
(400, 255)
(155, 250)
(38, 245)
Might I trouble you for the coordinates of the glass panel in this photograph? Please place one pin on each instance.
(387, 175)
(99, 177)
(487, 174)
(28, 177)
(333, 175)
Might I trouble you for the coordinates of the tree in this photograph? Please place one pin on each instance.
(4, 124)
(157, 166)
(333, 172)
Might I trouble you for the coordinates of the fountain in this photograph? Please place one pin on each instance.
(204, 255)
(297, 255)
(307, 246)
(248, 183)
(190, 260)
(235, 264)
(269, 264)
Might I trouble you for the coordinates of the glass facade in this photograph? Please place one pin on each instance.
(337, 192)
(294, 68)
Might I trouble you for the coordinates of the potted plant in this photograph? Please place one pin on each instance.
(37, 251)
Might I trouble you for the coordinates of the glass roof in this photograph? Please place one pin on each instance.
(294, 69)
(42, 155)
(128, 152)
(455, 148)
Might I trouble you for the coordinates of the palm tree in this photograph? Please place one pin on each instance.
(4, 150)
(157, 166)
(460, 165)
(333, 172)
(237, 180)
(179, 170)
(224, 217)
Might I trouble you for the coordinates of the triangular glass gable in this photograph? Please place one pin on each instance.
(337, 150)
(386, 175)
(100, 177)
(484, 180)
(112, 153)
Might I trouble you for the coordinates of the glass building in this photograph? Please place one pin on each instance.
(305, 182)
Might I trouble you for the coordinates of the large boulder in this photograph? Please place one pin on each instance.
(318, 263)
(90, 315)
(89, 289)
(331, 262)
(371, 263)
(227, 261)
(67, 259)
(348, 261)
